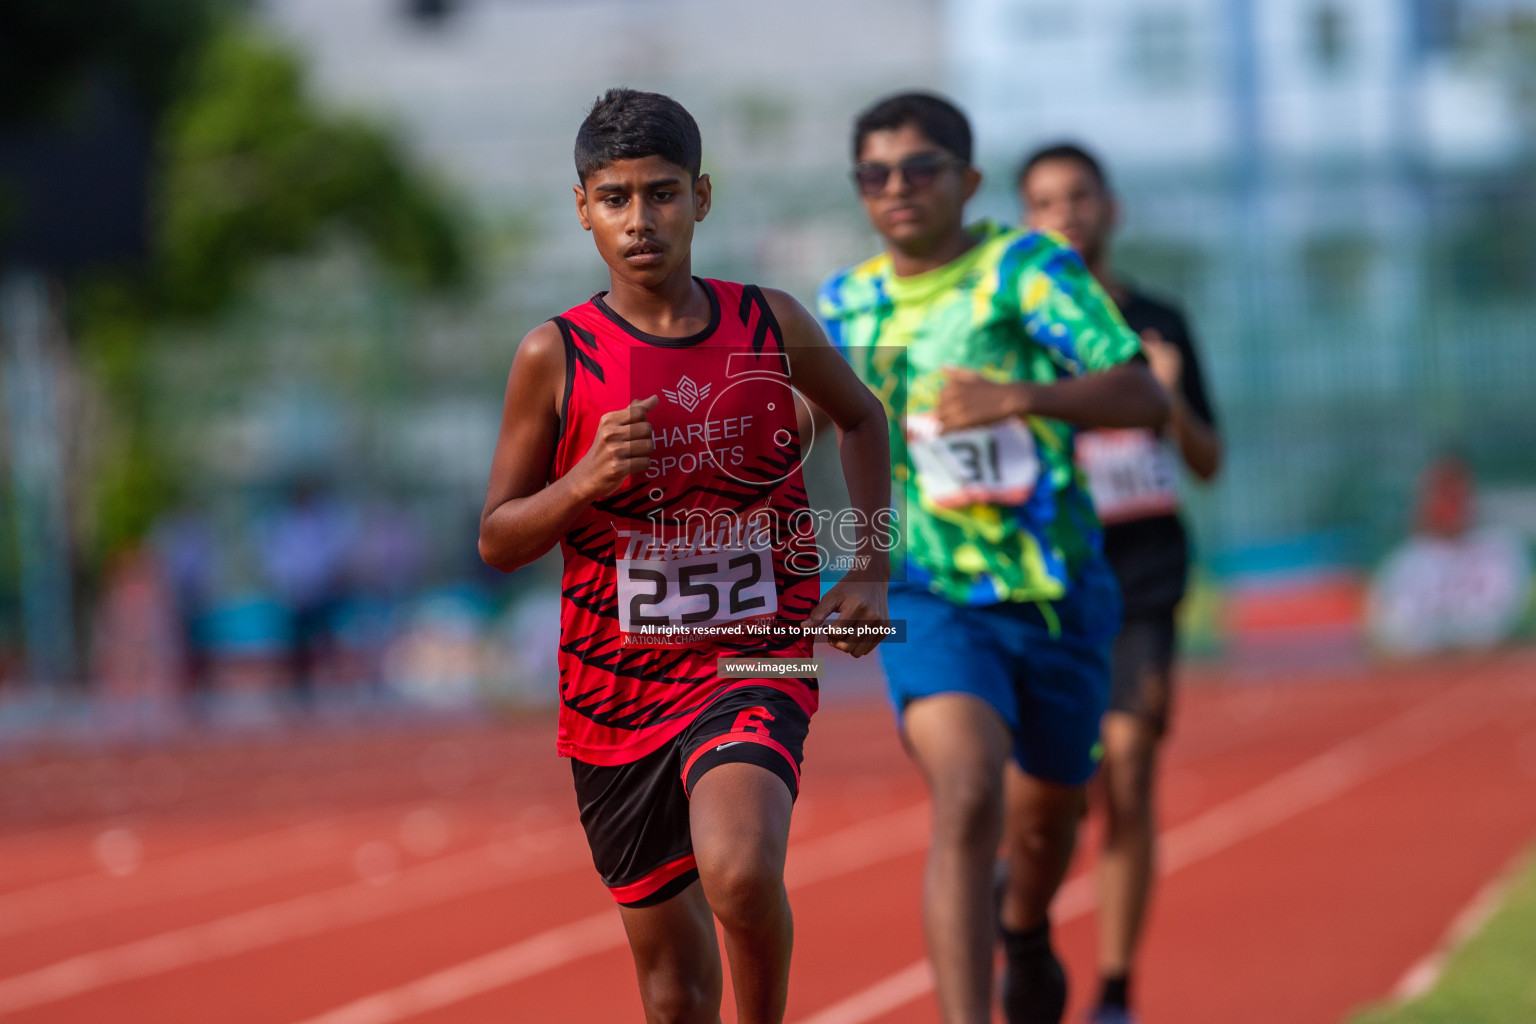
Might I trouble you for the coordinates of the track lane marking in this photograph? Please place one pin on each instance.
(225, 864)
(446, 878)
(1425, 973)
(1317, 781)
(438, 881)
(194, 872)
(843, 852)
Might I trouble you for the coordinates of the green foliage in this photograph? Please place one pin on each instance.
(133, 489)
(254, 171)
(134, 482)
(250, 169)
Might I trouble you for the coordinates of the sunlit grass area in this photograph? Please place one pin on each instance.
(1490, 980)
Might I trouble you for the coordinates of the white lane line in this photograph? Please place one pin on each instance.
(1075, 898)
(857, 846)
(225, 864)
(1425, 974)
(848, 850)
(892, 993)
(194, 872)
(1314, 782)
(543, 952)
(451, 877)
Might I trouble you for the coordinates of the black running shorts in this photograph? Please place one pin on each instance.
(1142, 676)
(636, 815)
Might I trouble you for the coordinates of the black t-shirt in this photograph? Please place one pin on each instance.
(1150, 556)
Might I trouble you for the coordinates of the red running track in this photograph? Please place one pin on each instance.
(1319, 837)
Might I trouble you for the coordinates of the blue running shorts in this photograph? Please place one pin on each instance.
(1044, 667)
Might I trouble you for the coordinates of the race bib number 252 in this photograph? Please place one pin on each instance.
(690, 597)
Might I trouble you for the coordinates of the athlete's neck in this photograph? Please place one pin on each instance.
(907, 262)
(674, 308)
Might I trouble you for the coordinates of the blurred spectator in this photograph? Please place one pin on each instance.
(1446, 499)
(386, 559)
(136, 646)
(335, 602)
(1452, 584)
(522, 667)
(303, 555)
(188, 554)
(438, 657)
(388, 552)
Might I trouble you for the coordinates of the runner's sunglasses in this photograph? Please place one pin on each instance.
(918, 172)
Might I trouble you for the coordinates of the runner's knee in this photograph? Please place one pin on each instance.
(1032, 839)
(745, 892)
(968, 806)
(1045, 822)
(1128, 782)
(740, 831)
(673, 999)
(1130, 750)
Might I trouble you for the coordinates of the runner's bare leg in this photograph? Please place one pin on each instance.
(960, 743)
(740, 815)
(677, 959)
(1126, 863)
(1040, 834)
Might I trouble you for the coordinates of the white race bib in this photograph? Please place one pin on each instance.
(992, 465)
(1131, 474)
(660, 597)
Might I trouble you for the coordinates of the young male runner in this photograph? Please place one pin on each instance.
(1134, 481)
(652, 433)
(996, 345)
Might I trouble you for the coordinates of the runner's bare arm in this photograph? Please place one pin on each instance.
(1199, 443)
(525, 512)
(822, 375)
(812, 420)
(1125, 395)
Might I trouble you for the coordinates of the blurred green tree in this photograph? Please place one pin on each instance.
(253, 169)
(248, 168)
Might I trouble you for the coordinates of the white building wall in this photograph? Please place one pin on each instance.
(1154, 83)
(1141, 82)
(495, 91)
(1329, 94)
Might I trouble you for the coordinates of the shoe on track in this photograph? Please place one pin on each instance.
(1034, 988)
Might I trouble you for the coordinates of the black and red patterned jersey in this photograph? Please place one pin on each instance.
(709, 553)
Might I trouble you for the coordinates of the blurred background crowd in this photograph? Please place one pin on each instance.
(265, 264)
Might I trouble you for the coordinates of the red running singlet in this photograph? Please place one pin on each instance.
(714, 541)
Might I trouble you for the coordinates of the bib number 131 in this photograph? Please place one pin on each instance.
(698, 591)
(995, 464)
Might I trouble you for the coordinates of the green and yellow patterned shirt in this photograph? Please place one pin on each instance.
(1017, 306)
